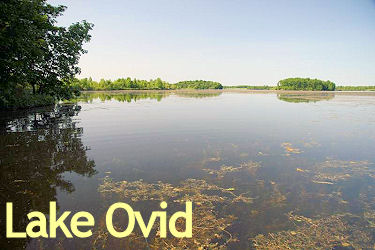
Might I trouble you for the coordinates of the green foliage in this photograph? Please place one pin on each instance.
(119, 84)
(25, 99)
(158, 84)
(128, 83)
(264, 87)
(34, 52)
(198, 84)
(305, 84)
(355, 88)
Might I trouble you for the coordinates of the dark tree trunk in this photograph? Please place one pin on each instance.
(33, 89)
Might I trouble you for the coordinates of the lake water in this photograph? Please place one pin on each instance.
(262, 169)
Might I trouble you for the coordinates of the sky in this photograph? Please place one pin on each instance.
(233, 41)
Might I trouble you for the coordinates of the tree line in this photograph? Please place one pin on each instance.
(128, 83)
(260, 87)
(295, 83)
(355, 88)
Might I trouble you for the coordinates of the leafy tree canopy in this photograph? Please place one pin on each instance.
(35, 53)
(128, 83)
(305, 84)
(198, 84)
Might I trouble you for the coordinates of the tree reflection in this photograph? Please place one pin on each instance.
(36, 150)
(308, 97)
(199, 93)
(122, 96)
(134, 96)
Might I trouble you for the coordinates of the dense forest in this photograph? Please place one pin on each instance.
(305, 84)
(128, 83)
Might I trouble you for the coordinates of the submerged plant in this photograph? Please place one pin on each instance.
(289, 149)
(209, 224)
(333, 171)
(340, 230)
(249, 166)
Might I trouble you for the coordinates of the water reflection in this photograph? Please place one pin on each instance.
(198, 94)
(134, 96)
(47, 144)
(310, 97)
(249, 205)
(262, 173)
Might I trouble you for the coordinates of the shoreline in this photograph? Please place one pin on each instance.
(234, 90)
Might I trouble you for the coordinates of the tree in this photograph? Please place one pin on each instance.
(198, 84)
(35, 52)
(305, 84)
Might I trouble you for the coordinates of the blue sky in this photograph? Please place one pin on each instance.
(233, 42)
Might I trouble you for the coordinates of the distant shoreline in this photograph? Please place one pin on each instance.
(236, 90)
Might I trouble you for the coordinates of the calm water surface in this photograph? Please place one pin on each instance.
(260, 168)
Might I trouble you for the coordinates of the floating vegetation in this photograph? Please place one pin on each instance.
(276, 198)
(220, 173)
(323, 182)
(370, 217)
(214, 159)
(209, 232)
(190, 189)
(209, 225)
(211, 157)
(101, 239)
(333, 171)
(249, 166)
(289, 149)
(335, 231)
(311, 144)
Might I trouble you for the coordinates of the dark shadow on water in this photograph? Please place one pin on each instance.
(36, 150)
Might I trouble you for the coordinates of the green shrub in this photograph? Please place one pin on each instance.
(24, 99)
